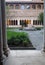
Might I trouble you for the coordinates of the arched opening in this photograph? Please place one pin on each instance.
(16, 22)
(3, 42)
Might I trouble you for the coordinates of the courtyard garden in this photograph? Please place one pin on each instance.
(25, 39)
(18, 39)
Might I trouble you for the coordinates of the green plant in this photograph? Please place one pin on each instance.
(19, 39)
(39, 28)
(40, 17)
(25, 43)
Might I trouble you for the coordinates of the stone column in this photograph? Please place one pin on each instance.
(5, 46)
(41, 6)
(36, 7)
(18, 22)
(31, 21)
(44, 40)
(14, 6)
(44, 27)
(1, 40)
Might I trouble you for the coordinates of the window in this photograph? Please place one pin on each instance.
(28, 7)
(11, 6)
(39, 6)
(6, 4)
(22, 7)
(17, 6)
(20, 22)
(34, 6)
(16, 22)
(34, 22)
(25, 6)
(11, 22)
(43, 6)
(37, 22)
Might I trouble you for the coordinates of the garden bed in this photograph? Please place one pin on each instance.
(39, 28)
(18, 39)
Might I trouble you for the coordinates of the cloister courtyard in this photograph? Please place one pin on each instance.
(36, 37)
(29, 11)
(28, 57)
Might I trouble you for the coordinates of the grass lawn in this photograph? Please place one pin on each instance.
(18, 39)
(15, 34)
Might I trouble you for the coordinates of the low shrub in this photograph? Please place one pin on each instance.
(39, 28)
(20, 39)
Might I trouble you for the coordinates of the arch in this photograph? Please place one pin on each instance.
(16, 22)
(20, 22)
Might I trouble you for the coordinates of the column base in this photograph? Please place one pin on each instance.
(43, 50)
(2, 58)
(6, 52)
(1, 63)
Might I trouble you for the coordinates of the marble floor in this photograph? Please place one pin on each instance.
(25, 57)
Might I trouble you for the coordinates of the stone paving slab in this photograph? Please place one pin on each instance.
(25, 58)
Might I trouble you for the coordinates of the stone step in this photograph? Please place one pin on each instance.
(22, 48)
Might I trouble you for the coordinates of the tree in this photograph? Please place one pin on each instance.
(22, 23)
(40, 17)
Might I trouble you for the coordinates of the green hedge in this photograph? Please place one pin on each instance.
(39, 28)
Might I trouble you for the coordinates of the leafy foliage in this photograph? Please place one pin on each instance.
(40, 17)
(18, 39)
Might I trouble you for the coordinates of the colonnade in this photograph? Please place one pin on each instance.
(37, 22)
(18, 22)
(3, 40)
(12, 22)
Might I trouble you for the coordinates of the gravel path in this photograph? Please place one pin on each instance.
(36, 38)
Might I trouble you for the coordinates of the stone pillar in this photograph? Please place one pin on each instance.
(14, 6)
(44, 27)
(44, 40)
(31, 6)
(1, 40)
(18, 22)
(41, 6)
(36, 7)
(31, 21)
(5, 46)
(13, 22)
